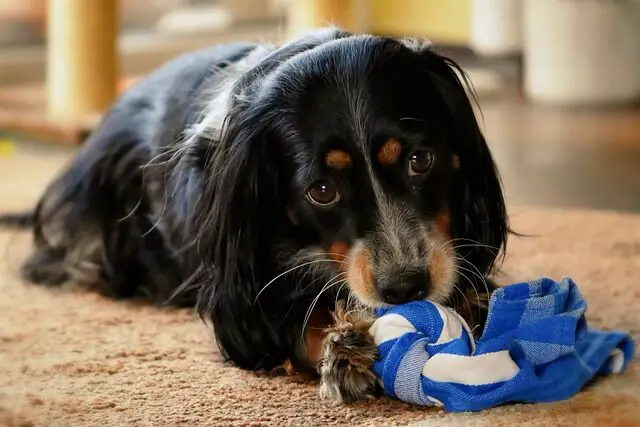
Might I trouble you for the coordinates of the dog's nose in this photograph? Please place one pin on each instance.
(405, 287)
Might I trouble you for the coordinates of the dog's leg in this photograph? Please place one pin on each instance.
(348, 352)
(46, 266)
(338, 348)
(310, 352)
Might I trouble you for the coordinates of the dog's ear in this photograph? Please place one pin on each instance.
(478, 212)
(238, 215)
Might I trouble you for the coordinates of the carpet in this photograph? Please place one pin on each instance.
(70, 358)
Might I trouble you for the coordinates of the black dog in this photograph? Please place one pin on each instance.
(263, 184)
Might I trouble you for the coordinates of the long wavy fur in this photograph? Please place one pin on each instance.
(168, 202)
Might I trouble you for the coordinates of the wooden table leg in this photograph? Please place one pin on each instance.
(82, 58)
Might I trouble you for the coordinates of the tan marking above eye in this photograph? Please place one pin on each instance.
(337, 159)
(389, 153)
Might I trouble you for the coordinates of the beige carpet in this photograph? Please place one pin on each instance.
(74, 359)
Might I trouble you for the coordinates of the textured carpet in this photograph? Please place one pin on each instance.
(69, 358)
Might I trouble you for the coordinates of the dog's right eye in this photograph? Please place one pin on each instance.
(323, 194)
(420, 162)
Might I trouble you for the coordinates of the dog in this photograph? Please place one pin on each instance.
(284, 191)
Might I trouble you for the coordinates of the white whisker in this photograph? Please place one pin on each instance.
(332, 282)
(457, 288)
(287, 272)
(477, 273)
(472, 286)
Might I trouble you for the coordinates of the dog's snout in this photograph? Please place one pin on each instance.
(403, 288)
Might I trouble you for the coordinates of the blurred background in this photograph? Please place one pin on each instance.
(558, 80)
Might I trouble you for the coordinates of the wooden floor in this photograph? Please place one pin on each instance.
(553, 156)
(566, 157)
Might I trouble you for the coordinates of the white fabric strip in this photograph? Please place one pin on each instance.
(389, 327)
(488, 368)
(451, 328)
(617, 360)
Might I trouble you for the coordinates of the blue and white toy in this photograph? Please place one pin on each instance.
(536, 347)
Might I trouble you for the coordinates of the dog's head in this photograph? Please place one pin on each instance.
(358, 158)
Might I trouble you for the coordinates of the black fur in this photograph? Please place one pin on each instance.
(141, 213)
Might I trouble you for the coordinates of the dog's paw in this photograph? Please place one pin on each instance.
(284, 370)
(348, 352)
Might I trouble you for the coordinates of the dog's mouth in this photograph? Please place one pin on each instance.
(377, 285)
(379, 276)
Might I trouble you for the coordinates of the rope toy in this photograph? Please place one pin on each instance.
(536, 347)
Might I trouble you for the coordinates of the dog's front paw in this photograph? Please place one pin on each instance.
(348, 352)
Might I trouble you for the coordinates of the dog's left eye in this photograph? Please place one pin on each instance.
(420, 162)
(323, 194)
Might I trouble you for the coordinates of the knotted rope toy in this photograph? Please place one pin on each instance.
(536, 347)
